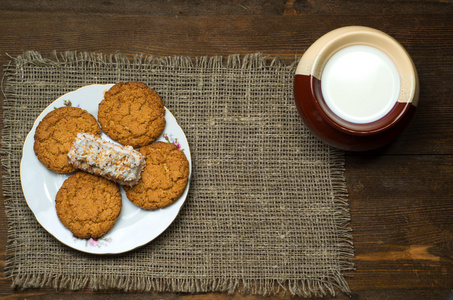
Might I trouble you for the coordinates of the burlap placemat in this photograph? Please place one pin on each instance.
(267, 210)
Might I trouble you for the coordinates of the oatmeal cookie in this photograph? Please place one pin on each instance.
(132, 114)
(164, 178)
(55, 134)
(88, 205)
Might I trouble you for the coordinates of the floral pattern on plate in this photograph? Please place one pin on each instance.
(101, 242)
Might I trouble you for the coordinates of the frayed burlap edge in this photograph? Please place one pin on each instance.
(7, 162)
(317, 287)
(94, 60)
(263, 287)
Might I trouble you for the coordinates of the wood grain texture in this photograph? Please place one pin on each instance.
(405, 205)
(401, 196)
(235, 7)
(204, 35)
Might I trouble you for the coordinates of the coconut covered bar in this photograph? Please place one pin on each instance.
(94, 155)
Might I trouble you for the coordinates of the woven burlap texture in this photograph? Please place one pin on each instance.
(267, 209)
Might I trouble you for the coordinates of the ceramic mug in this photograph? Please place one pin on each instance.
(356, 88)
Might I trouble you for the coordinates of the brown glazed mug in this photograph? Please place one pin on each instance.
(356, 88)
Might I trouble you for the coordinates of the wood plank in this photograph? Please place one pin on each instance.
(401, 208)
(216, 8)
(373, 294)
(285, 36)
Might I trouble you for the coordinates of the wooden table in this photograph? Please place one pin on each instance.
(401, 197)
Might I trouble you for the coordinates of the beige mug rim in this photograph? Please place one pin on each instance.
(317, 55)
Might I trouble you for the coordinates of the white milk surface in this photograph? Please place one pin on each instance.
(360, 84)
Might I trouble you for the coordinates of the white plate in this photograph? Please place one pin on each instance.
(135, 227)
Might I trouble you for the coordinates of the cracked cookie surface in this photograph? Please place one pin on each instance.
(88, 205)
(55, 134)
(132, 114)
(164, 178)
